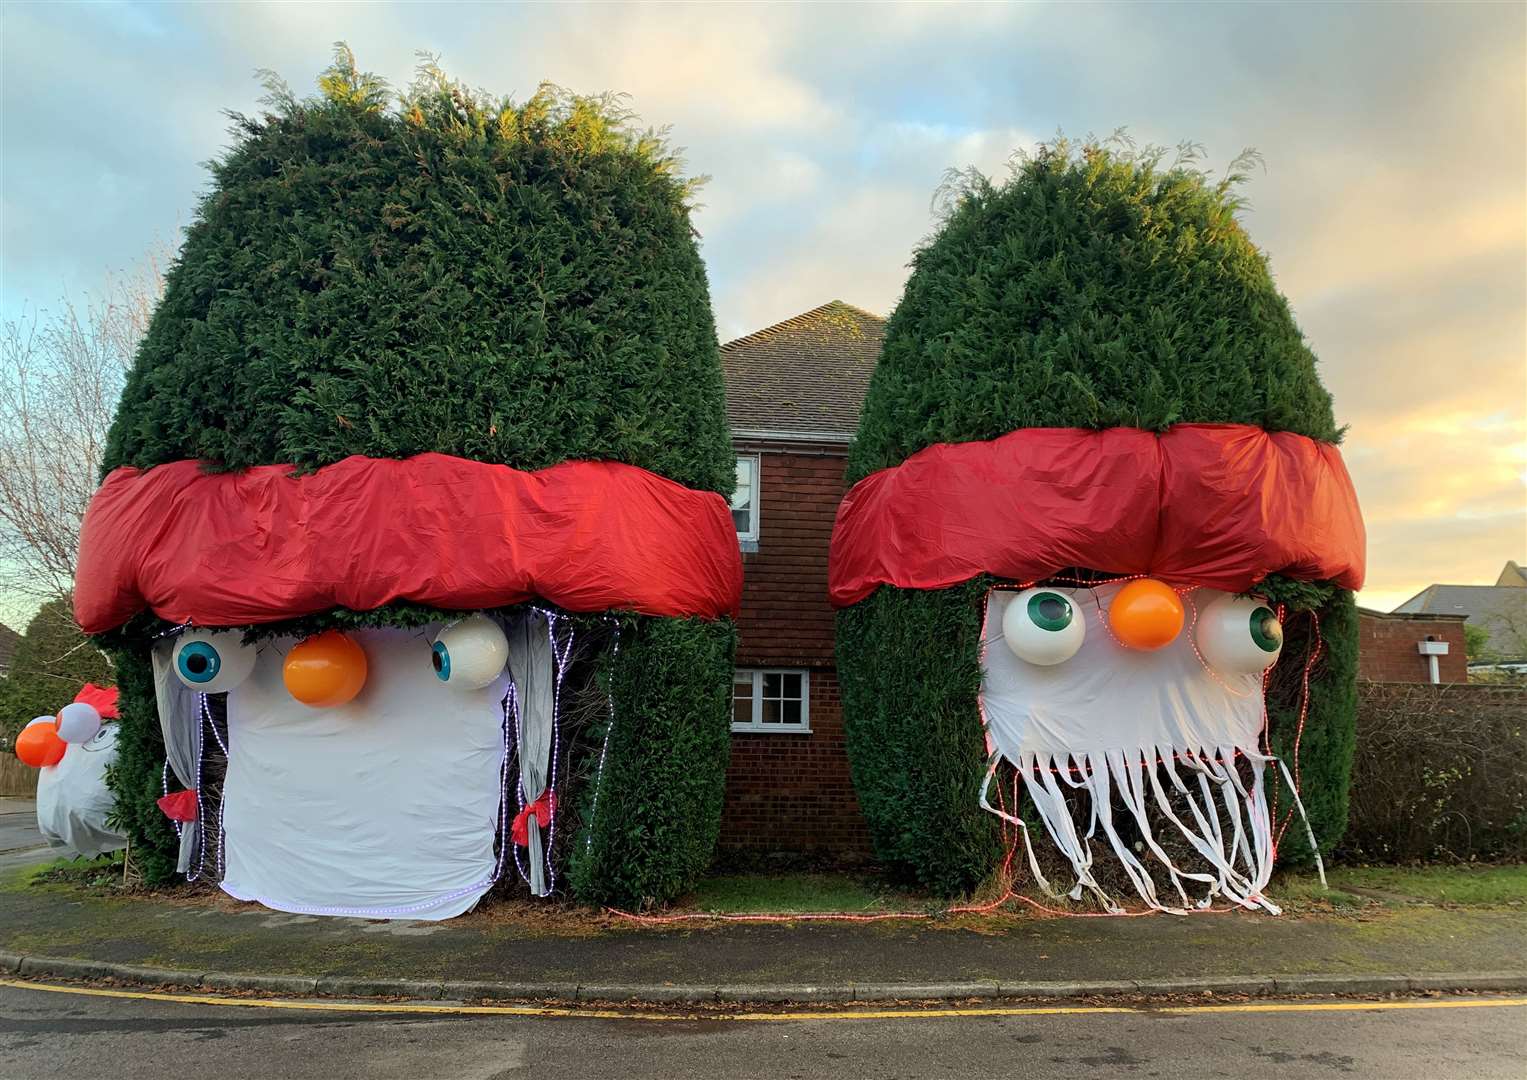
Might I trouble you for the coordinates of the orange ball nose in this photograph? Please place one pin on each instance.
(324, 670)
(39, 745)
(1146, 614)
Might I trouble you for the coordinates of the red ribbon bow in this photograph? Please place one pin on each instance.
(543, 809)
(179, 806)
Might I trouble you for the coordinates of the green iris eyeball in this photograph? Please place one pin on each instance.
(1050, 611)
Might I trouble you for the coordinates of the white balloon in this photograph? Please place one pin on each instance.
(41, 720)
(1234, 635)
(213, 661)
(1043, 626)
(470, 654)
(78, 722)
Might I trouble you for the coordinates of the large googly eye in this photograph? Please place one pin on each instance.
(1043, 626)
(213, 661)
(470, 654)
(1239, 635)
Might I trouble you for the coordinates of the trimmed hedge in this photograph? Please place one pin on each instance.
(53, 660)
(1094, 288)
(1329, 738)
(508, 283)
(657, 791)
(518, 284)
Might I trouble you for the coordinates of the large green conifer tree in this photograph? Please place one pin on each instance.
(1093, 289)
(517, 284)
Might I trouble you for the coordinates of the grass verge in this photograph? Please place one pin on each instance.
(798, 894)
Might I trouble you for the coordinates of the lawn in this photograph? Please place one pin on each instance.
(1366, 886)
(799, 894)
(1467, 885)
(1352, 888)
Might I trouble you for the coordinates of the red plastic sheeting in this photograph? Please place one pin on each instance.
(1216, 505)
(180, 806)
(103, 698)
(232, 549)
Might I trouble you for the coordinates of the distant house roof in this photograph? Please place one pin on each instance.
(1512, 575)
(803, 378)
(9, 639)
(1499, 609)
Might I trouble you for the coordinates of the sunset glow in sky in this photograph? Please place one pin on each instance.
(1393, 205)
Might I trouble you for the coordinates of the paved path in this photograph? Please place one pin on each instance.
(64, 1035)
(20, 842)
(506, 944)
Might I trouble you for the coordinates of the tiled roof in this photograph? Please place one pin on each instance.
(803, 378)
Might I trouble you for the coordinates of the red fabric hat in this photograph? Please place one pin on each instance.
(103, 698)
(232, 549)
(1216, 505)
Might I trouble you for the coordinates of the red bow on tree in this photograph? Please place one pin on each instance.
(543, 809)
(179, 806)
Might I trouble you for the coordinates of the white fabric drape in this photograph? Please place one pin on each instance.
(386, 807)
(532, 666)
(1097, 725)
(73, 801)
(180, 722)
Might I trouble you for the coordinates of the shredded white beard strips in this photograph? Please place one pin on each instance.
(1095, 727)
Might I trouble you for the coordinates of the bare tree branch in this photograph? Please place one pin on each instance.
(61, 374)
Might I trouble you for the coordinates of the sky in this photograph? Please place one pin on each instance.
(1393, 203)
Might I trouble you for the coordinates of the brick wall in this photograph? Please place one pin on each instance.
(789, 792)
(1386, 650)
(786, 619)
(793, 792)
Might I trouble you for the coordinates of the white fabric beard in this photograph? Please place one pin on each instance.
(73, 802)
(385, 807)
(1097, 725)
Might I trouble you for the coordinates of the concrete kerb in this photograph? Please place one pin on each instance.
(352, 986)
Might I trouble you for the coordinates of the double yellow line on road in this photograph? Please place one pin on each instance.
(925, 1013)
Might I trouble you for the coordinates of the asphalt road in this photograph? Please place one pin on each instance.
(20, 842)
(80, 1038)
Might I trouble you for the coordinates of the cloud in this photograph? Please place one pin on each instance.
(1392, 204)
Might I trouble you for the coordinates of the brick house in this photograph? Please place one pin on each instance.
(1389, 647)
(794, 391)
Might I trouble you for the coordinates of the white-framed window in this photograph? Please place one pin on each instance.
(771, 699)
(745, 497)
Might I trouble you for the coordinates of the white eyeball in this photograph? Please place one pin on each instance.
(1239, 635)
(78, 722)
(213, 661)
(470, 654)
(1043, 626)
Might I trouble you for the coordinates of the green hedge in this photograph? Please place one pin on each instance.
(1329, 740)
(508, 283)
(664, 774)
(909, 673)
(53, 660)
(1094, 288)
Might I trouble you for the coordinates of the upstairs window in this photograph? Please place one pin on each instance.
(771, 699)
(745, 498)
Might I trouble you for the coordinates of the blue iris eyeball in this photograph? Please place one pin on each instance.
(199, 662)
(440, 660)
